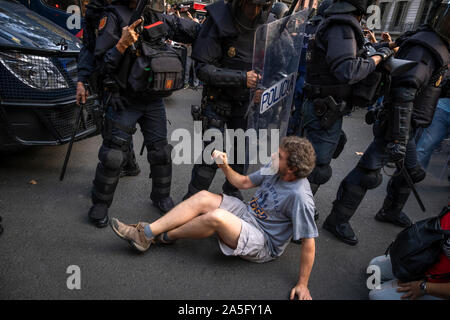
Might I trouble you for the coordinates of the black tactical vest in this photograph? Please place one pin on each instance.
(94, 12)
(158, 69)
(236, 48)
(318, 73)
(428, 96)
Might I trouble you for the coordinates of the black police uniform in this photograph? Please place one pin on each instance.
(294, 127)
(409, 105)
(86, 66)
(333, 66)
(223, 54)
(128, 108)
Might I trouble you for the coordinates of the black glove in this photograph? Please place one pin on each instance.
(116, 102)
(396, 151)
(384, 52)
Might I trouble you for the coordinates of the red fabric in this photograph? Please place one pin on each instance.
(153, 25)
(443, 264)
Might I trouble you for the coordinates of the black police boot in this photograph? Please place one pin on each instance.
(191, 191)
(98, 215)
(131, 168)
(342, 231)
(391, 211)
(164, 205)
(399, 219)
(234, 193)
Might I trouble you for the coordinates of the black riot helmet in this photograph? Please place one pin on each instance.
(279, 9)
(349, 6)
(439, 18)
(157, 5)
(323, 6)
(237, 10)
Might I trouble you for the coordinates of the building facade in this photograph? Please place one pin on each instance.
(399, 16)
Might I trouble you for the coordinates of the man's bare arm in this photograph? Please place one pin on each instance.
(238, 180)
(306, 264)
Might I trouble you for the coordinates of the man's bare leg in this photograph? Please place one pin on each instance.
(200, 203)
(226, 224)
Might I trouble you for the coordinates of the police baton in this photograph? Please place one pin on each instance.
(69, 150)
(402, 169)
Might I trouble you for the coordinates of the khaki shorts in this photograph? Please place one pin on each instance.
(252, 244)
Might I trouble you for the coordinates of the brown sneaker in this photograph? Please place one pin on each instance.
(132, 233)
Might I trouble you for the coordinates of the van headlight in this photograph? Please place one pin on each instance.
(35, 71)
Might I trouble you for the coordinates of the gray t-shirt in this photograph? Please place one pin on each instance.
(282, 210)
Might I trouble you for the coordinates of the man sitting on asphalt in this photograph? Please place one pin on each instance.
(282, 208)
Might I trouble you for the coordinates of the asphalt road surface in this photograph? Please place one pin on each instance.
(46, 231)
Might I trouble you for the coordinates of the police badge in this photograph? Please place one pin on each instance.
(231, 52)
(439, 81)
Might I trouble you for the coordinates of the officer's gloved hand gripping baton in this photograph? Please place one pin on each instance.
(391, 65)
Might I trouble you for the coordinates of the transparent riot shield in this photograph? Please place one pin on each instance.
(276, 56)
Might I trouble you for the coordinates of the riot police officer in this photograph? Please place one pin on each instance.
(223, 54)
(279, 9)
(333, 67)
(409, 105)
(129, 105)
(310, 30)
(86, 68)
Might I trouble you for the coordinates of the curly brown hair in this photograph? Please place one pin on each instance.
(301, 155)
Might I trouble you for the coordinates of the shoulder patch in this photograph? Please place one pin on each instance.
(102, 23)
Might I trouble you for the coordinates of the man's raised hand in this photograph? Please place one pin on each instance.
(220, 158)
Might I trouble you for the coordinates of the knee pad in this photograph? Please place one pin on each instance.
(159, 153)
(417, 174)
(202, 176)
(321, 174)
(341, 144)
(370, 179)
(112, 159)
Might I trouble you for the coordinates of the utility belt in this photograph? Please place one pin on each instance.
(223, 104)
(330, 103)
(220, 105)
(339, 92)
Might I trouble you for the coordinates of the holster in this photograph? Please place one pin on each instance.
(329, 111)
(99, 114)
